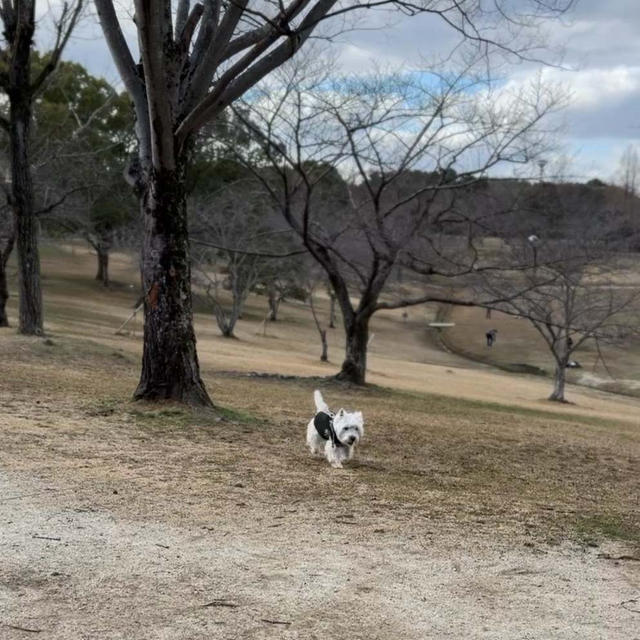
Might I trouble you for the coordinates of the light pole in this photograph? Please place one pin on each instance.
(534, 241)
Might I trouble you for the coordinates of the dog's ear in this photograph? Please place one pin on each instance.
(341, 412)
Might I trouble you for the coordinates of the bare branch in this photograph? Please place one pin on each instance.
(64, 27)
(258, 254)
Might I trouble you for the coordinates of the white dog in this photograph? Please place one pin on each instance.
(335, 435)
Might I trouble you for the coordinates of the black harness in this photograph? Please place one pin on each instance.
(323, 422)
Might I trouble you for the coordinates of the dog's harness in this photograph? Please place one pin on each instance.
(323, 422)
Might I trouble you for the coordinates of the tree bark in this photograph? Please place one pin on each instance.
(354, 367)
(170, 368)
(274, 301)
(332, 310)
(559, 382)
(103, 266)
(4, 287)
(25, 222)
(4, 296)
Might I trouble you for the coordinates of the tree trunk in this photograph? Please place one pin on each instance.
(559, 382)
(332, 310)
(274, 301)
(102, 243)
(354, 366)
(26, 225)
(170, 368)
(226, 321)
(4, 287)
(103, 265)
(325, 349)
(4, 294)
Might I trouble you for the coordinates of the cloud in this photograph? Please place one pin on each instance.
(601, 45)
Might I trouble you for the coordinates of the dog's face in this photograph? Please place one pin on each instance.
(349, 427)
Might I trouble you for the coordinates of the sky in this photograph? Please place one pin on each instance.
(600, 70)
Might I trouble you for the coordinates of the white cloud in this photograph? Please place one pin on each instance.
(601, 43)
(594, 88)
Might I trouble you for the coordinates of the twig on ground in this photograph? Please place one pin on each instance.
(221, 603)
(275, 621)
(634, 601)
(606, 556)
(14, 626)
(46, 538)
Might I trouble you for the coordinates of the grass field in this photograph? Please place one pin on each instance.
(614, 367)
(474, 508)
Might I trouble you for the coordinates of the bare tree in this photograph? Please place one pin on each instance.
(93, 206)
(573, 292)
(414, 148)
(629, 171)
(83, 135)
(241, 275)
(312, 283)
(195, 62)
(234, 232)
(277, 286)
(21, 87)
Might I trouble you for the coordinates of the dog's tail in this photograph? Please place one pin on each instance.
(321, 405)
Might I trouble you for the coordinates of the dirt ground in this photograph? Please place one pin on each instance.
(473, 508)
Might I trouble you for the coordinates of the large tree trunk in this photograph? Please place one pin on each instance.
(4, 295)
(170, 368)
(354, 367)
(5, 252)
(26, 225)
(559, 382)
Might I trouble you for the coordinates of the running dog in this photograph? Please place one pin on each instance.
(334, 434)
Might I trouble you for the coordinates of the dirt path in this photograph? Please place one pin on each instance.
(73, 570)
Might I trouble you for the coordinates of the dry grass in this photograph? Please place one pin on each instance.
(483, 447)
(518, 343)
(521, 468)
(132, 520)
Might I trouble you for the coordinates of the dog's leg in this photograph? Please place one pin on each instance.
(333, 455)
(314, 441)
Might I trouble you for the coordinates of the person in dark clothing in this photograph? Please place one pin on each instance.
(491, 337)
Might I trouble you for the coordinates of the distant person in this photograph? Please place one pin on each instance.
(491, 337)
